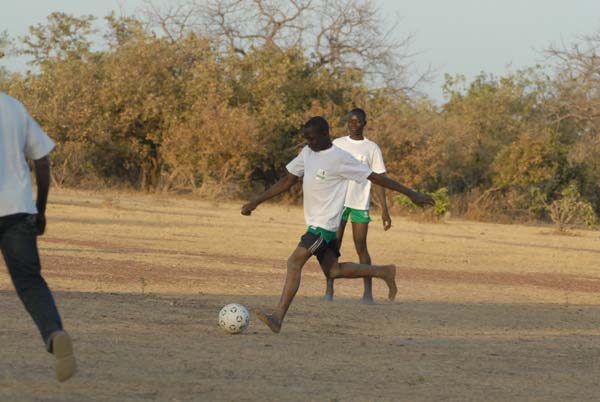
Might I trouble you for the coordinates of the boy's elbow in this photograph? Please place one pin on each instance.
(374, 178)
(289, 181)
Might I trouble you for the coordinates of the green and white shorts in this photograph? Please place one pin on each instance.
(356, 215)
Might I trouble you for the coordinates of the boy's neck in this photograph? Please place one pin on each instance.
(326, 147)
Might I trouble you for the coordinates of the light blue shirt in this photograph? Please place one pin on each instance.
(20, 138)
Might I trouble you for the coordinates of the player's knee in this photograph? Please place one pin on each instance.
(325, 270)
(334, 271)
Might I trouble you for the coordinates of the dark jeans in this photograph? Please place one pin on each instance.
(18, 242)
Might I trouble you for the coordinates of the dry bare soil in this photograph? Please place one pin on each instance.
(485, 312)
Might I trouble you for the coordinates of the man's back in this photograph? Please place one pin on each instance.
(20, 138)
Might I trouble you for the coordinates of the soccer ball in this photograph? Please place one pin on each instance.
(234, 318)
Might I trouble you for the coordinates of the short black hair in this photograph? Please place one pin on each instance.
(317, 123)
(358, 111)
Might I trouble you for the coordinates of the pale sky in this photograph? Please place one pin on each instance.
(455, 36)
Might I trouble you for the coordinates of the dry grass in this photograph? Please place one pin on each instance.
(485, 312)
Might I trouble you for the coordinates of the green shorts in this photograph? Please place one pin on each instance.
(356, 215)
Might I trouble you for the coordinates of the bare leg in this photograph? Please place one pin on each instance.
(340, 235)
(292, 283)
(337, 270)
(359, 233)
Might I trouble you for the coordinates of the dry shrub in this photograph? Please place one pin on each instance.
(570, 211)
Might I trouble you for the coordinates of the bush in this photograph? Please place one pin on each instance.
(570, 210)
(434, 214)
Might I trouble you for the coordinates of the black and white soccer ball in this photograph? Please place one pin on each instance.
(234, 318)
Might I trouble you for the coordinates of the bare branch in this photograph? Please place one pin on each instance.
(174, 18)
(577, 81)
(337, 33)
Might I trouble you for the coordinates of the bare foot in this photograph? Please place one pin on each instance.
(268, 319)
(367, 300)
(390, 279)
(328, 297)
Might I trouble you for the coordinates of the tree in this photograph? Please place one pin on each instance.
(338, 34)
(63, 36)
(481, 120)
(577, 84)
(4, 44)
(575, 107)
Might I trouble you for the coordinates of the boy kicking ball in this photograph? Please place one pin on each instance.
(325, 170)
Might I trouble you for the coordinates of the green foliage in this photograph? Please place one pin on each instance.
(435, 213)
(571, 210)
(63, 36)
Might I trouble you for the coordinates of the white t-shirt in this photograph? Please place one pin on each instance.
(366, 151)
(20, 137)
(325, 180)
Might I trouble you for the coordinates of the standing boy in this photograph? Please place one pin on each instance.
(21, 221)
(325, 170)
(358, 196)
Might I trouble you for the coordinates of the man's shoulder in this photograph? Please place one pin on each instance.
(339, 150)
(370, 143)
(12, 110)
(340, 140)
(343, 155)
(305, 149)
(8, 101)
(300, 155)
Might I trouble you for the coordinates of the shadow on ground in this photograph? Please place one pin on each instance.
(161, 347)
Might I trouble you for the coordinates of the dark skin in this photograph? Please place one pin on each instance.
(42, 177)
(330, 265)
(355, 127)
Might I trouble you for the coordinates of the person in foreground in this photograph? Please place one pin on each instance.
(21, 221)
(325, 170)
(358, 196)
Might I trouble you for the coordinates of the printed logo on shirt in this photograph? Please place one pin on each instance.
(362, 159)
(321, 175)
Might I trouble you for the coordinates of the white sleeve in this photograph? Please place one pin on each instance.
(37, 143)
(352, 169)
(377, 161)
(296, 166)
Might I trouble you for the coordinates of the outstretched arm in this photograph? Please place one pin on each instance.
(385, 214)
(42, 178)
(420, 199)
(281, 186)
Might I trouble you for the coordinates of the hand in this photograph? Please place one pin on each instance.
(40, 220)
(387, 221)
(422, 200)
(248, 208)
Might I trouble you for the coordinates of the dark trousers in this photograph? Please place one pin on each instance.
(18, 242)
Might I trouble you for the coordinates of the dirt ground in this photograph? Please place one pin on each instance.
(484, 313)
